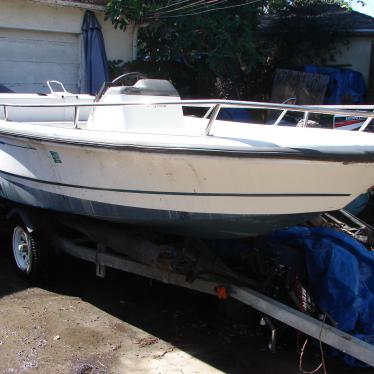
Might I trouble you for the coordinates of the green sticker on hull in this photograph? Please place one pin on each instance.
(56, 157)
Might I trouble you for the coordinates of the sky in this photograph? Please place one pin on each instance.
(367, 9)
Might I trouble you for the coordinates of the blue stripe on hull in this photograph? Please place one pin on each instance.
(194, 224)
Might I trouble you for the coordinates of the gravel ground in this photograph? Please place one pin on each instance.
(77, 323)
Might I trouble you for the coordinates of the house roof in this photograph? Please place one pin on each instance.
(86, 4)
(341, 18)
(93, 2)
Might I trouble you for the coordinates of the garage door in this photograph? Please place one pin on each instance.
(29, 58)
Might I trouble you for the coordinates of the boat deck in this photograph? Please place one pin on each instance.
(194, 126)
(61, 124)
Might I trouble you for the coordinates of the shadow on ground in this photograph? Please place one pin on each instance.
(226, 336)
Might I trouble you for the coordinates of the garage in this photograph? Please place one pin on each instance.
(29, 58)
(42, 40)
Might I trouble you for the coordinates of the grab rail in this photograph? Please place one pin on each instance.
(214, 108)
(49, 84)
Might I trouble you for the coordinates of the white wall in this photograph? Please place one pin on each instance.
(118, 44)
(28, 15)
(357, 53)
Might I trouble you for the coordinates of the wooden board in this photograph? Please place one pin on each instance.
(370, 90)
(307, 88)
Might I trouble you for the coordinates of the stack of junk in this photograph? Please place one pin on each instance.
(336, 269)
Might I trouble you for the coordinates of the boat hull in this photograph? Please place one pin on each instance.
(203, 195)
(204, 225)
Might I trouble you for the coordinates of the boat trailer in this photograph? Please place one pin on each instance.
(100, 238)
(272, 308)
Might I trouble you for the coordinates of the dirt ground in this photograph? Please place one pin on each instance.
(77, 323)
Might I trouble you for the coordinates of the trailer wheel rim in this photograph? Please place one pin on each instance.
(22, 249)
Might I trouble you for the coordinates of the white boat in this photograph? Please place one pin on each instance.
(133, 157)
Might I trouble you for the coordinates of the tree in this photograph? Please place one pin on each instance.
(213, 47)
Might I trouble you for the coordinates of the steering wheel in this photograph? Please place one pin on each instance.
(115, 81)
(128, 75)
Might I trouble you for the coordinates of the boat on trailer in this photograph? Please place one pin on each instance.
(131, 155)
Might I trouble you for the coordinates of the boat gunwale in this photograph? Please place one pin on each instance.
(254, 152)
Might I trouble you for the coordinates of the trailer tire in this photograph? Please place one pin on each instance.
(28, 253)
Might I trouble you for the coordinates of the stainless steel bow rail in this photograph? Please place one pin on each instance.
(214, 106)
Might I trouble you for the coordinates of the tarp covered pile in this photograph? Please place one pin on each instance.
(340, 273)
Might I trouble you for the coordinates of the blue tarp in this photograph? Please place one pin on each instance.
(358, 204)
(346, 86)
(234, 114)
(96, 64)
(340, 272)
